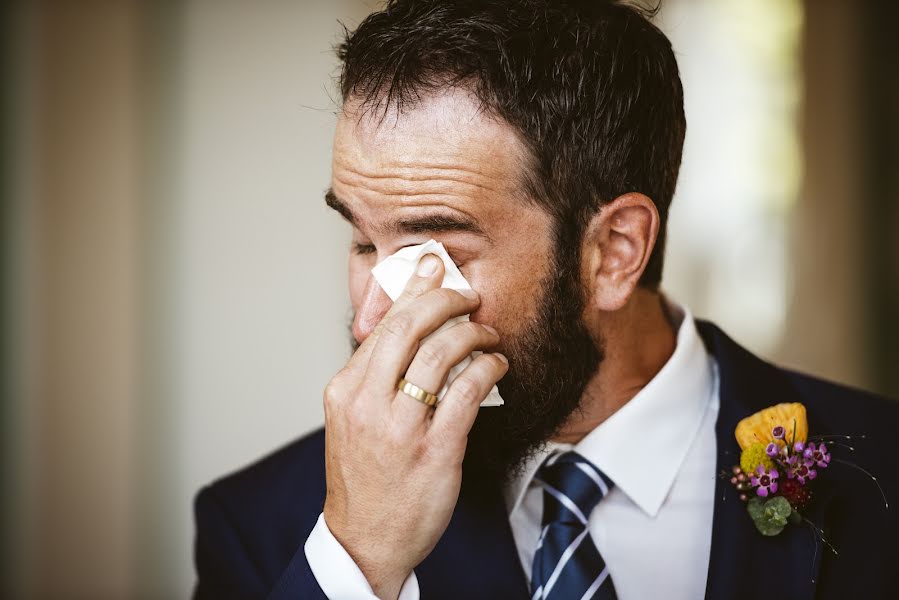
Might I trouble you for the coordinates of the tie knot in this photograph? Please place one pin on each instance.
(572, 487)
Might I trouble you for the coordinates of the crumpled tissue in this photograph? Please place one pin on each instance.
(393, 272)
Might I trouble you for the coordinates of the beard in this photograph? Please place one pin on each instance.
(551, 360)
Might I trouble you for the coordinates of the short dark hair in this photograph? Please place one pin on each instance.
(591, 86)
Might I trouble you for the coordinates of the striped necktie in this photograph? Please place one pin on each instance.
(567, 564)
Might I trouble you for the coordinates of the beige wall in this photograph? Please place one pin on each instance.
(827, 317)
(252, 310)
(76, 492)
(181, 297)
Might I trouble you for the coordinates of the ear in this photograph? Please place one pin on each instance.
(618, 242)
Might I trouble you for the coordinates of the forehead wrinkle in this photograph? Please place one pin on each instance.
(419, 212)
(374, 192)
(411, 169)
(445, 151)
(413, 180)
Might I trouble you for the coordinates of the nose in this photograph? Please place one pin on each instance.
(375, 304)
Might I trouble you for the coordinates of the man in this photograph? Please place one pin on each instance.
(540, 142)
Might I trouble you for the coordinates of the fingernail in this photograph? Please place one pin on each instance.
(427, 265)
(470, 294)
(490, 329)
(502, 357)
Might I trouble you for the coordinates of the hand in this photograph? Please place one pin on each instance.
(394, 464)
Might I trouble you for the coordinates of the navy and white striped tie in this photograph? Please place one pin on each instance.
(567, 564)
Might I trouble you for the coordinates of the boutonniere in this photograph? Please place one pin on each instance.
(778, 463)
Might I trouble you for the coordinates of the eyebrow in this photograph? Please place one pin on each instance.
(433, 223)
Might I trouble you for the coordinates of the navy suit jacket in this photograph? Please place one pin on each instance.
(252, 525)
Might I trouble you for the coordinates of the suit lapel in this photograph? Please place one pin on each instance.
(743, 562)
(477, 556)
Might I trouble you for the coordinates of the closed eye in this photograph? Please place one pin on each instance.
(363, 248)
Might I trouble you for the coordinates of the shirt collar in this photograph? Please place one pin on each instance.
(642, 445)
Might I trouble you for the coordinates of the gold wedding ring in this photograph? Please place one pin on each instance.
(410, 389)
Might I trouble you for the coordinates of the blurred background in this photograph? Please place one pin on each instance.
(174, 294)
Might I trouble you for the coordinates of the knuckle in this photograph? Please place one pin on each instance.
(432, 355)
(467, 389)
(394, 437)
(416, 287)
(415, 290)
(445, 445)
(399, 325)
(435, 441)
(400, 442)
(445, 295)
(474, 330)
(438, 438)
(356, 424)
(333, 393)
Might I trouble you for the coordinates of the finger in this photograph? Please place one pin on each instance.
(428, 276)
(433, 362)
(403, 332)
(456, 413)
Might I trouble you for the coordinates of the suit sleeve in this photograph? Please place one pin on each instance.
(225, 569)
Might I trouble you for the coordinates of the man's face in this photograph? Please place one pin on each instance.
(447, 171)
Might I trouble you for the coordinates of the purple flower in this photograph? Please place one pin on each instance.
(772, 450)
(817, 455)
(778, 432)
(765, 481)
(799, 447)
(801, 471)
(790, 462)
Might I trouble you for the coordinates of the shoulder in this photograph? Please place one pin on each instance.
(845, 410)
(270, 506)
(859, 426)
(833, 408)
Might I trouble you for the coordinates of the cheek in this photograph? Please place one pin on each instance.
(508, 300)
(509, 278)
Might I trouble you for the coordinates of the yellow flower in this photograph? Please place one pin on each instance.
(753, 456)
(757, 428)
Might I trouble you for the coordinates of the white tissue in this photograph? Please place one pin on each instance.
(393, 272)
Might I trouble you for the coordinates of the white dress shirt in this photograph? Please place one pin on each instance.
(654, 528)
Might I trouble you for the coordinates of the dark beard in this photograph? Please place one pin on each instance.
(550, 363)
(551, 360)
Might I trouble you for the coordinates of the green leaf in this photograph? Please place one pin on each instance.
(778, 506)
(770, 516)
